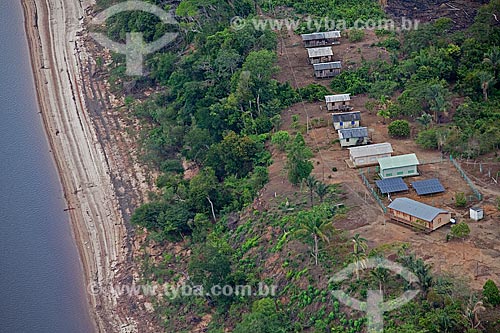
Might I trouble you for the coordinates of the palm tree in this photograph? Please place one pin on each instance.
(359, 261)
(321, 190)
(493, 58)
(486, 79)
(425, 120)
(360, 244)
(311, 182)
(316, 228)
(359, 253)
(381, 275)
(436, 96)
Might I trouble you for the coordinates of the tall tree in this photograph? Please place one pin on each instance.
(298, 165)
(316, 227)
(359, 253)
(436, 96)
(486, 79)
(311, 183)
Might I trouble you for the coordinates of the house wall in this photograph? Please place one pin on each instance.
(315, 43)
(406, 171)
(352, 142)
(440, 220)
(319, 60)
(346, 124)
(408, 219)
(326, 73)
(368, 160)
(338, 105)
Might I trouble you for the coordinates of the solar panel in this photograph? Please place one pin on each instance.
(428, 186)
(391, 185)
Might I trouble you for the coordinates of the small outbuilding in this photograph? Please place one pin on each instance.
(346, 119)
(327, 69)
(353, 136)
(417, 214)
(369, 155)
(321, 38)
(398, 166)
(476, 213)
(319, 55)
(341, 102)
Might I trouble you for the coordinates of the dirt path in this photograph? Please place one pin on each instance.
(53, 28)
(475, 259)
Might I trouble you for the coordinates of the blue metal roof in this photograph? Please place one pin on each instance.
(415, 208)
(357, 132)
(428, 186)
(391, 185)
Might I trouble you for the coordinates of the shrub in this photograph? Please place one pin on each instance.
(460, 230)
(428, 139)
(313, 92)
(491, 293)
(399, 129)
(280, 139)
(352, 82)
(355, 35)
(460, 199)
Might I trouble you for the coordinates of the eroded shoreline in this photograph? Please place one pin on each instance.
(53, 28)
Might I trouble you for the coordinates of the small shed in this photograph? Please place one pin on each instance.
(341, 102)
(418, 214)
(353, 136)
(476, 213)
(369, 155)
(321, 38)
(327, 70)
(319, 55)
(346, 119)
(398, 166)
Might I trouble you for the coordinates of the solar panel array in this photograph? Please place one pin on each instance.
(428, 186)
(391, 185)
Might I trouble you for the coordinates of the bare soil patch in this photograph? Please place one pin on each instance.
(475, 259)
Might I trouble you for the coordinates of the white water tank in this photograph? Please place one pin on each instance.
(476, 213)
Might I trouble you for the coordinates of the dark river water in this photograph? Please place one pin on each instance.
(41, 282)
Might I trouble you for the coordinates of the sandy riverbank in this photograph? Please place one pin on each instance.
(53, 28)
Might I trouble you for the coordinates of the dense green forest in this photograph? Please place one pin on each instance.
(217, 104)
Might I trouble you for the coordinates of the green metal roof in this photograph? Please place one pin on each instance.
(398, 161)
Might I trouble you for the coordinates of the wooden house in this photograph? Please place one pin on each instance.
(369, 155)
(353, 136)
(346, 119)
(317, 39)
(341, 102)
(327, 70)
(398, 166)
(319, 55)
(417, 214)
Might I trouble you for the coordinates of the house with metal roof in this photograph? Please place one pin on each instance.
(321, 38)
(327, 69)
(319, 55)
(398, 166)
(417, 214)
(346, 119)
(353, 136)
(369, 155)
(341, 102)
